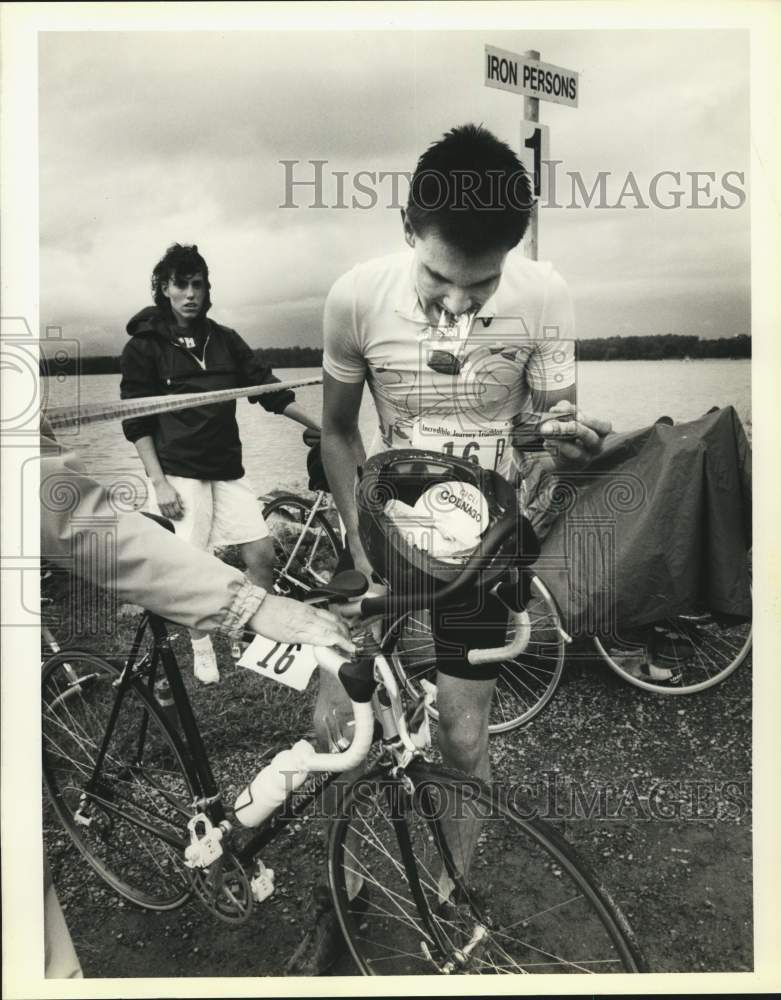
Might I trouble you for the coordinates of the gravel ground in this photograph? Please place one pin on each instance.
(655, 793)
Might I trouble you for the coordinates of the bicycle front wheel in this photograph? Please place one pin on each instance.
(306, 543)
(129, 818)
(524, 686)
(523, 902)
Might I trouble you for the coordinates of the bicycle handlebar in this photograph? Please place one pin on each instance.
(334, 663)
(357, 676)
(521, 634)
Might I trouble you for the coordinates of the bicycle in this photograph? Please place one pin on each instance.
(131, 781)
(688, 653)
(703, 650)
(307, 542)
(307, 533)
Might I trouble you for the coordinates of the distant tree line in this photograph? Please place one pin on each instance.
(291, 357)
(661, 346)
(108, 364)
(651, 348)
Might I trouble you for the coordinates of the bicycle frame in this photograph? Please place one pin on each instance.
(376, 696)
(403, 747)
(191, 747)
(321, 503)
(194, 758)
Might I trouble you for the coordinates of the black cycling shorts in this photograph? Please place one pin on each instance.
(480, 624)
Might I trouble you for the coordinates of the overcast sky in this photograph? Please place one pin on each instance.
(150, 138)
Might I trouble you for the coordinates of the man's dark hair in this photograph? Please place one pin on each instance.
(179, 262)
(473, 190)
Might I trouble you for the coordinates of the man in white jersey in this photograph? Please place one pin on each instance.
(463, 344)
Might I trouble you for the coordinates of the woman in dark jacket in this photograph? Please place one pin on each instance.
(193, 457)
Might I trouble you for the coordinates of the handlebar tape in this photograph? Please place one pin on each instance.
(516, 593)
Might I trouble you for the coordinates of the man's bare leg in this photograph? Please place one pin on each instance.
(463, 707)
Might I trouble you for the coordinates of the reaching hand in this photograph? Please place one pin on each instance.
(571, 438)
(286, 620)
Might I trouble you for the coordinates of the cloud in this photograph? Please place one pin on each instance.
(152, 137)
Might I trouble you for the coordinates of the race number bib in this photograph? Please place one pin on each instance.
(284, 662)
(488, 446)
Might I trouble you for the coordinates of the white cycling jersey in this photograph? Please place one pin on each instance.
(456, 389)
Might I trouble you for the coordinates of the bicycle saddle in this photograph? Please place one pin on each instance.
(348, 584)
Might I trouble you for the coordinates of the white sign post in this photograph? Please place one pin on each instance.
(536, 81)
(531, 113)
(535, 151)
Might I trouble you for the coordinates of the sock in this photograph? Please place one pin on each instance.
(445, 887)
(204, 661)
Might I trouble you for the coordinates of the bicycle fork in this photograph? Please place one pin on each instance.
(446, 956)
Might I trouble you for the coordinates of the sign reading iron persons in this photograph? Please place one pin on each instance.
(529, 77)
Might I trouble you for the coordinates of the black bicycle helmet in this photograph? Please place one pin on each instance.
(412, 477)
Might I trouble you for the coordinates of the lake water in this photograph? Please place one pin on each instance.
(631, 394)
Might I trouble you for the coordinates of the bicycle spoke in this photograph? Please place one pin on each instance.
(506, 858)
(525, 684)
(137, 801)
(307, 547)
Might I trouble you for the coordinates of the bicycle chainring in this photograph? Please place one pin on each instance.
(224, 889)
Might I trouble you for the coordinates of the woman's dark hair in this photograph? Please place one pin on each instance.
(472, 190)
(180, 262)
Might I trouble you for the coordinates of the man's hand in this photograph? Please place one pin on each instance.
(168, 500)
(360, 559)
(572, 439)
(285, 620)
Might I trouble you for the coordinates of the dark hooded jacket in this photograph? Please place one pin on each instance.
(201, 442)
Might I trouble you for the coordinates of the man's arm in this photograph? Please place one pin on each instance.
(570, 439)
(344, 375)
(147, 565)
(343, 451)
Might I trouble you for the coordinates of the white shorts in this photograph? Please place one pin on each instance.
(216, 512)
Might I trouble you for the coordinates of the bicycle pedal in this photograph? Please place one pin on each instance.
(262, 885)
(204, 847)
(82, 819)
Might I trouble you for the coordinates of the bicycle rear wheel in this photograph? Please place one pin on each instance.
(307, 545)
(525, 685)
(527, 904)
(702, 651)
(131, 826)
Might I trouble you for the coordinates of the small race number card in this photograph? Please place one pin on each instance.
(289, 664)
